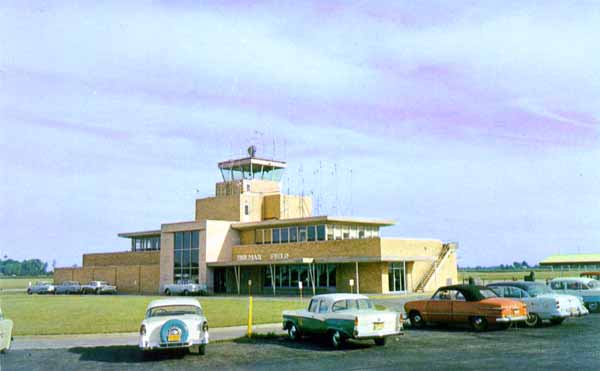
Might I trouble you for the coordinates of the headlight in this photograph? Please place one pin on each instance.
(203, 327)
(143, 330)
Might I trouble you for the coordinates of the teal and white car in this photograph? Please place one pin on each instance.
(587, 288)
(6, 327)
(341, 317)
(174, 324)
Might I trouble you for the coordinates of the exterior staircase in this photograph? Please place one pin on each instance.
(446, 249)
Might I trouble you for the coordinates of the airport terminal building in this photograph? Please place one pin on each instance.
(250, 232)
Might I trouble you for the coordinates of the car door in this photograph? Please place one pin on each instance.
(439, 308)
(461, 308)
(307, 319)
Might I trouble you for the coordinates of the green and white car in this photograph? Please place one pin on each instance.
(341, 317)
(6, 327)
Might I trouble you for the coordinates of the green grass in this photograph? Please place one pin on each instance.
(515, 275)
(21, 282)
(52, 315)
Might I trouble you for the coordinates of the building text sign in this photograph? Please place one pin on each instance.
(258, 257)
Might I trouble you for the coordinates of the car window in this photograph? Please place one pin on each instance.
(442, 295)
(312, 307)
(556, 285)
(459, 296)
(499, 290)
(364, 304)
(323, 307)
(594, 284)
(573, 286)
(487, 293)
(173, 310)
(514, 292)
(339, 305)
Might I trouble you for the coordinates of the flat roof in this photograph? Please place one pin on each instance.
(140, 234)
(251, 160)
(572, 258)
(341, 259)
(313, 219)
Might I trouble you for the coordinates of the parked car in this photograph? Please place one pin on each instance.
(68, 287)
(174, 324)
(593, 274)
(185, 287)
(342, 317)
(542, 303)
(476, 305)
(41, 288)
(6, 327)
(98, 287)
(587, 288)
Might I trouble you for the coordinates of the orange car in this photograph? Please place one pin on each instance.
(477, 305)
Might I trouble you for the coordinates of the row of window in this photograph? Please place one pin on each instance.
(319, 232)
(186, 255)
(145, 243)
(288, 276)
(576, 266)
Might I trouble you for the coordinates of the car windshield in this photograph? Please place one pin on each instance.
(538, 289)
(352, 304)
(173, 310)
(594, 284)
(488, 293)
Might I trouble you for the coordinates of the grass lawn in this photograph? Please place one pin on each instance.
(21, 282)
(50, 314)
(518, 275)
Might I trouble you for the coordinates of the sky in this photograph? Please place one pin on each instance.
(470, 122)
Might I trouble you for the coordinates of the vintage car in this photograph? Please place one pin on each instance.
(587, 288)
(6, 327)
(476, 305)
(174, 324)
(542, 303)
(68, 287)
(41, 288)
(342, 317)
(98, 288)
(185, 287)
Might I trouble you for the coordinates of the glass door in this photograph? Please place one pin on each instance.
(396, 277)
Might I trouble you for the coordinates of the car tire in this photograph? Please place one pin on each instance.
(416, 320)
(593, 307)
(202, 349)
(337, 339)
(380, 341)
(479, 323)
(293, 333)
(97, 292)
(557, 321)
(168, 292)
(533, 320)
(29, 292)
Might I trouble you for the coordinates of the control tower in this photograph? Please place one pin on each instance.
(251, 191)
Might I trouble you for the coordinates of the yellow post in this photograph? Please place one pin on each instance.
(250, 316)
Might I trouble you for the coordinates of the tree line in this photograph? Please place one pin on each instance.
(28, 267)
(513, 266)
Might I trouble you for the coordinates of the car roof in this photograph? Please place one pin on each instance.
(334, 297)
(520, 284)
(573, 279)
(470, 292)
(173, 301)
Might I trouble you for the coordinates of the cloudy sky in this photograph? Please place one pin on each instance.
(477, 124)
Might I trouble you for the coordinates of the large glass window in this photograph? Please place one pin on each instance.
(302, 234)
(276, 235)
(284, 235)
(321, 232)
(259, 236)
(293, 234)
(345, 232)
(337, 232)
(187, 255)
(330, 231)
(396, 277)
(145, 243)
(312, 234)
(288, 276)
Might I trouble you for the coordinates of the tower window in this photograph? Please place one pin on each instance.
(246, 210)
(247, 187)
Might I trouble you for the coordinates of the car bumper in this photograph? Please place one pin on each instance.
(377, 335)
(510, 319)
(145, 344)
(576, 313)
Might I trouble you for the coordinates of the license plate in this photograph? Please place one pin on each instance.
(174, 338)
(573, 311)
(377, 326)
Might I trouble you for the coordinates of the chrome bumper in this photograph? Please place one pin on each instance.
(511, 319)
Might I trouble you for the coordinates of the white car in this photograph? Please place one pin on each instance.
(174, 324)
(587, 288)
(542, 303)
(6, 327)
(341, 317)
(185, 287)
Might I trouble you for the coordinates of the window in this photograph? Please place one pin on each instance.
(321, 232)
(459, 296)
(573, 286)
(442, 295)
(337, 232)
(339, 305)
(284, 235)
(276, 237)
(364, 304)
(293, 234)
(302, 234)
(247, 187)
(323, 307)
(259, 236)
(330, 231)
(345, 232)
(312, 307)
(267, 237)
(557, 285)
(246, 209)
(311, 233)
(353, 232)
(186, 256)
(361, 231)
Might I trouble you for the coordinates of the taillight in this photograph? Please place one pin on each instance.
(355, 322)
(143, 330)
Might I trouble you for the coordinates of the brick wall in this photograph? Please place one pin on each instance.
(121, 258)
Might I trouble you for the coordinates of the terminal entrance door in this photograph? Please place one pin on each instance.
(219, 280)
(396, 277)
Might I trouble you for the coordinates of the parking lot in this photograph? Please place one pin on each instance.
(573, 345)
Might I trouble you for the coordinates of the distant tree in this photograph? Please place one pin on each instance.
(524, 264)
